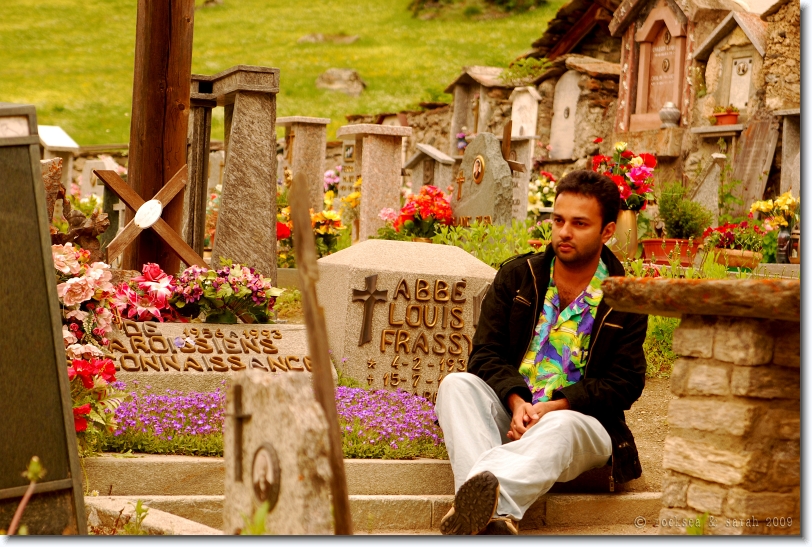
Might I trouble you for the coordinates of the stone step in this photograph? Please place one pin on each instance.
(422, 514)
(156, 475)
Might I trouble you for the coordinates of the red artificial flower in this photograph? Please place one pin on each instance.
(598, 140)
(152, 272)
(627, 154)
(80, 423)
(549, 176)
(649, 160)
(282, 231)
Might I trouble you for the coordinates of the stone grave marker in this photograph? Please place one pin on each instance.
(402, 314)
(217, 162)
(562, 128)
(198, 357)
(34, 386)
(484, 189)
(525, 111)
(89, 183)
(430, 167)
(56, 143)
(753, 160)
(305, 142)
(791, 153)
(521, 151)
(378, 159)
(276, 451)
(706, 192)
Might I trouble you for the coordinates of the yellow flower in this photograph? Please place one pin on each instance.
(357, 183)
(331, 215)
(620, 146)
(636, 161)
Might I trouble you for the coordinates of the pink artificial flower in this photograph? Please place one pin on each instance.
(639, 174)
(388, 214)
(75, 291)
(104, 320)
(100, 276)
(66, 260)
(79, 315)
(83, 351)
(67, 336)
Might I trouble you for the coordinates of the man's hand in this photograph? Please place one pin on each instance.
(526, 415)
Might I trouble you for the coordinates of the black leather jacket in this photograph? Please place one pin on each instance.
(615, 370)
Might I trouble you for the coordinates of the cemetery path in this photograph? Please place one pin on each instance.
(648, 421)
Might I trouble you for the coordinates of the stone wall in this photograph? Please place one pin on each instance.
(781, 77)
(733, 449)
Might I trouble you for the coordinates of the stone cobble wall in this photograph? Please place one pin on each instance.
(781, 76)
(734, 445)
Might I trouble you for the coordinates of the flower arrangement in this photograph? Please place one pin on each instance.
(223, 295)
(212, 211)
(783, 211)
(424, 213)
(284, 238)
(462, 139)
(631, 172)
(84, 290)
(541, 230)
(541, 193)
(146, 297)
(745, 236)
(352, 202)
(95, 400)
(729, 109)
(327, 228)
(332, 177)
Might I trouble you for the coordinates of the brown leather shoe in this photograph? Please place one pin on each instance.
(501, 526)
(473, 507)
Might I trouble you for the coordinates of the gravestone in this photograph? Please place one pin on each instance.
(562, 128)
(217, 163)
(525, 111)
(430, 167)
(276, 451)
(305, 142)
(753, 160)
(89, 183)
(246, 224)
(378, 160)
(791, 153)
(521, 150)
(198, 357)
(401, 315)
(34, 387)
(706, 192)
(484, 190)
(56, 143)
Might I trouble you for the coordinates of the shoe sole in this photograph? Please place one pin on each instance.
(474, 505)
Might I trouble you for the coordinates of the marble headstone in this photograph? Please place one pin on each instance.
(430, 167)
(276, 451)
(492, 196)
(562, 128)
(402, 314)
(305, 140)
(525, 111)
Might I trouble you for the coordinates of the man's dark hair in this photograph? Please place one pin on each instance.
(592, 184)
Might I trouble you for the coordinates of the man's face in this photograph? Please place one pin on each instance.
(577, 233)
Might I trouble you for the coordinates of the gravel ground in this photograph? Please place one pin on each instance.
(648, 421)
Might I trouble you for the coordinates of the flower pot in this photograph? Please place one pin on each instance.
(794, 253)
(536, 243)
(654, 252)
(726, 118)
(625, 240)
(422, 239)
(735, 258)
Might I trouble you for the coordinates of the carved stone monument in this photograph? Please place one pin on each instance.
(565, 104)
(430, 167)
(305, 142)
(484, 187)
(402, 314)
(276, 452)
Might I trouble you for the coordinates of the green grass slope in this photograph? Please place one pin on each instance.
(73, 59)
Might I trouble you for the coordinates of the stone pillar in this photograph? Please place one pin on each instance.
(733, 449)
(378, 160)
(305, 142)
(246, 224)
(521, 150)
(202, 101)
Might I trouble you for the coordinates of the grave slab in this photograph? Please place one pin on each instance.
(487, 183)
(306, 140)
(402, 314)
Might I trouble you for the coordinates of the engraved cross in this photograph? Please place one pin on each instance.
(369, 296)
(460, 180)
(239, 418)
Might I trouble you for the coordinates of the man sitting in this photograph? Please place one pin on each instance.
(551, 371)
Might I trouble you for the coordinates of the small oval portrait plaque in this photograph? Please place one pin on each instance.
(666, 65)
(667, 37)
(148, 214)
(265, 475)
(478, 169)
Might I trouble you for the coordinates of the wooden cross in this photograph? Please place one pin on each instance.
(239, 418)
(132, 200)
(514, 165)
(460, 180)
(369, 296)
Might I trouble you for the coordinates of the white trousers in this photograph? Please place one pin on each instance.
(561, 446)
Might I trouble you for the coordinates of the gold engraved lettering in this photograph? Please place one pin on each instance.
(426, 317)
(137, 342)
(421, 343)
(455, 339)
(217, 344)
(194, 332)
(193, 364)
(409, 309)
(256, 363)
(402, 339)
(439, 344)
(469, 342)
(403, 289)
(395, 361)
(456, 313)
(203, 346)
(131, 328)
(187, 348)
(385, 341)
(236, 363)
(160, 342)
(171, 344)
(392, 320)
(461, 365)
(219, 334)
(290, 363)
(421, 290)
(231, 346)
(151, 328)
(277, 335)
(117, 347)
(207, 333)
(265, 333)
(218, 365)
(308, 365)
(415, 379)
(268, 346)
(170, 361)
(456, 293)
(134, 367)
(385, 379)
(450, 363)
(441, 291)
(445, 317)
(251, 344)
(416, 365)
(280, 364)
(205, 363)
(394, 379)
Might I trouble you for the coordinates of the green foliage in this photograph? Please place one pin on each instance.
(83, 80)
(255, 526)
(87, 205)
(657, 346)
(180, 445)
(472, 11)
(682, 217)
(355, 445)
(769, 247)
(348, 381)
(698, 527)
(523, 71)
(516, 5)
(728, 200)
(289, 304)
(134, 526)
(389, 233)
(490, 243)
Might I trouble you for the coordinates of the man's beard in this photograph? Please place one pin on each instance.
(582, 255)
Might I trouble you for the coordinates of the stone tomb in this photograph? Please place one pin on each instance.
(401, 315)
(54, 142)
(198, 357)
(521, 150)
(276, 451)
(305, 142)
(484, 187)
(430, 167)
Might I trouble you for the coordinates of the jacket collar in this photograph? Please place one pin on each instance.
(540, 264)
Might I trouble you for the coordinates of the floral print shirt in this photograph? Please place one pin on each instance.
(555, 356)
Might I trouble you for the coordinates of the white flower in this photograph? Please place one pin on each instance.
(620, 146)
(636, 161)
